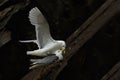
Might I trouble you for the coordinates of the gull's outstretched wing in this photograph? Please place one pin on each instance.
(41, 26)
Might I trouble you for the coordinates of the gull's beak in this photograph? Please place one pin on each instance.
(63, 50)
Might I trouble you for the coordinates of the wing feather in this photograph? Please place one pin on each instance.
(41, 26)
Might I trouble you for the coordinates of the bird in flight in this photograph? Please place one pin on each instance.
(46, 44)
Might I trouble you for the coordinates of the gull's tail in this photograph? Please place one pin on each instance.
(36, 17)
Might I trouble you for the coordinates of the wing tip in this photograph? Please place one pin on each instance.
(34, 15)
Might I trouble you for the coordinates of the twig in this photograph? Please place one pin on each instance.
(113, 74)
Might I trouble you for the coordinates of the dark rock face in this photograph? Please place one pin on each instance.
(97, 56)
(14, 62)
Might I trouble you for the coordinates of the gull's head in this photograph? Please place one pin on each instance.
(59, 54)
(62, 46)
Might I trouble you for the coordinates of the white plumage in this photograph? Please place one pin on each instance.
(47, 45)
